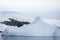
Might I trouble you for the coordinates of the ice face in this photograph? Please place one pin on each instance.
(57, 32)
(36, 28)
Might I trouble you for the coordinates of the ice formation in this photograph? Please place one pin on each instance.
(36, 28)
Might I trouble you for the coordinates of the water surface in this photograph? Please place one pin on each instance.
(28, 38)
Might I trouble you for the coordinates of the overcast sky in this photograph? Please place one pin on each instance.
(49, 9)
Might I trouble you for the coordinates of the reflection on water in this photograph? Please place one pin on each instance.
(29, 38)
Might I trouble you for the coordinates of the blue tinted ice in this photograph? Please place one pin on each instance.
(36, 28)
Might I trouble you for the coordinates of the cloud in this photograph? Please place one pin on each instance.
(44, 8)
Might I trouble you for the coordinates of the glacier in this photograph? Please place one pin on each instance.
(35, 28)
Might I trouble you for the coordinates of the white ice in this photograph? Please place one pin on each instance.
(36, 28)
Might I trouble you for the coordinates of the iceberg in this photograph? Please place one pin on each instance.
(35, 28)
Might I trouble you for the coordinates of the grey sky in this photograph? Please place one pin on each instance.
(49, 9)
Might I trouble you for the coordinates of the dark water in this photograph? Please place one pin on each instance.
(29, 38)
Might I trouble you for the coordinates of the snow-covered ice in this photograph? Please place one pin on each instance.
(36, 28)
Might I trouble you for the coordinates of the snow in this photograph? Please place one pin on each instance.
(4, 16)
(36, 28)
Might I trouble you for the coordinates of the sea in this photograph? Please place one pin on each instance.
(28, 37)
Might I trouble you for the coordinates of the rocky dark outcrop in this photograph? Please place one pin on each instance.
(1, 31)
(14, 23)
